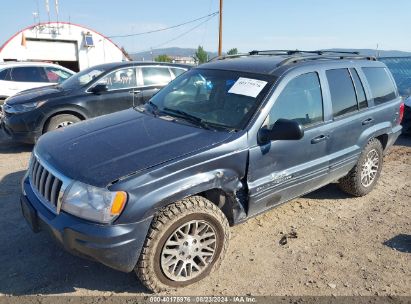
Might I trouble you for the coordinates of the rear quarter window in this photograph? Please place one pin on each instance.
(381, 85)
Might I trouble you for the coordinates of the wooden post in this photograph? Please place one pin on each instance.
(220, 30)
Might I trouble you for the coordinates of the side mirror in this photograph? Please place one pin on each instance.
(283, 129)
(99, 88)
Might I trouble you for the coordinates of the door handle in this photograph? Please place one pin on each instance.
(135, 92)
(319, 139)
(367, 121)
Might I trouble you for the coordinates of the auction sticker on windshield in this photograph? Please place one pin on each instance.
(248, 87)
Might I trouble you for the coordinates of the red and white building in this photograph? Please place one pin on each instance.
(70, 45)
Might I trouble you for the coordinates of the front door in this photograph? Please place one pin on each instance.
(120, 95)
(154, 78)
(283, 169)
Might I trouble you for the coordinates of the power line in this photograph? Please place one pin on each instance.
(166, 28)
(182, 34)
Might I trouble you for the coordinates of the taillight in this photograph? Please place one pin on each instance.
(401, 114)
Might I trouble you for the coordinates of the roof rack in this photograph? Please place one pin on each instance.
(293, 52)
(298, 55)
(296, 59)
(222, 57)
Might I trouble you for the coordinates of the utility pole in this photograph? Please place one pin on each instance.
(220, 30)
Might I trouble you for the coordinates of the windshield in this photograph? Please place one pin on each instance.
(217, 98)
(82, 78)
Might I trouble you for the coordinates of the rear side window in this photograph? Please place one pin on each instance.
(301, 101)
(29, 74)
(359, 88)
(155, 75)
(381, 85)
(5, 74)
(342, 92)
(177, 71)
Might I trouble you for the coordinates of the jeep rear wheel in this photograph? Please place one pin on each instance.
(186, 241)
(364, 176)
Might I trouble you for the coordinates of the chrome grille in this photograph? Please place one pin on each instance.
(46, 184)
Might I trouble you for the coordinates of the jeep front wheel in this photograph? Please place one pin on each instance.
(186, 241)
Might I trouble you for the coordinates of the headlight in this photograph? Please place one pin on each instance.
(22, 107)
(92, 203)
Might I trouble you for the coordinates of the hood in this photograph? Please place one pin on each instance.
(101, 150)
(37, 94)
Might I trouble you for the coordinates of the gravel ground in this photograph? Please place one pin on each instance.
(343, 245)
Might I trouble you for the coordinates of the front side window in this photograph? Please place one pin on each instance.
(217, 98)
(121, 79)
(301, 101)
(28, 74)
(56, 75)
(382, 88)
(155, 75)
(342, 91)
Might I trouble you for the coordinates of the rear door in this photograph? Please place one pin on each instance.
(283, 169)
(153, 79)
(121, 86)
(350, 119)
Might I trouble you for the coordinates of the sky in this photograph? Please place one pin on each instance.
(247, 24)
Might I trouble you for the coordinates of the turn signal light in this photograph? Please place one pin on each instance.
(118, 203)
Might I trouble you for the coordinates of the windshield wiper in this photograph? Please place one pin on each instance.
(186, 116)
(154, 108)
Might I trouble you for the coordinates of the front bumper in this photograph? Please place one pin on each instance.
(21, 127)
(116, 246)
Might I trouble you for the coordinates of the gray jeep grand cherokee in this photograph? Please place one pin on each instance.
(154, 188)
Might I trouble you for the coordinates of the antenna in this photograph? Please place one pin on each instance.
(35, 17)
(56, 5)
(48, 10)
(36, 14)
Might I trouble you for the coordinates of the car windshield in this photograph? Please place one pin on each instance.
(80, 79)
(213, 98)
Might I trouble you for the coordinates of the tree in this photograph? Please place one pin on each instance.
(163, 58)
(233, 51)
(200, 56)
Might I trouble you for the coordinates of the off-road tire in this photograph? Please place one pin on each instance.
(55, 122)
(165, 222)
(351, 183)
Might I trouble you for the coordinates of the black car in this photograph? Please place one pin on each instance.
(406, 122)
(96, 91)
(154, 188)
